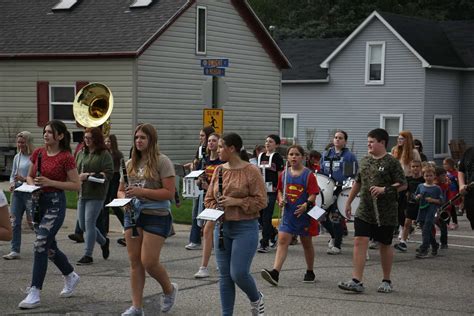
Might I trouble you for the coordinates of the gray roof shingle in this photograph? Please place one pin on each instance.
(90, 27)
(305, 55)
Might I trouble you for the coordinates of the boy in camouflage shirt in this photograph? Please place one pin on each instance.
(379, 180)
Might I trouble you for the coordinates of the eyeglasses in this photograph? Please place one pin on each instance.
(88, 137)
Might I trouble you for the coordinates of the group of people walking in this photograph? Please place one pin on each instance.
(393, 190)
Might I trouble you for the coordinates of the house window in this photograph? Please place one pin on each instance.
(375, 63)
(442, 135)
(62, 98)
(288, 127)
(201, 28)
(393, 124)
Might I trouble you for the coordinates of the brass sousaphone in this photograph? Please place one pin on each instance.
(93, 106)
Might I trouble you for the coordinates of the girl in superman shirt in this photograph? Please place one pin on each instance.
(301, 190)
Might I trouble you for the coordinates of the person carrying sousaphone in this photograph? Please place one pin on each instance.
(379, 179)
(338, 163)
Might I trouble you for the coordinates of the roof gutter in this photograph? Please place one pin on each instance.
(129, 54)
(451, 68)
(326, 80)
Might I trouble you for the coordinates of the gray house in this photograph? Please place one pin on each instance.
(394, 72)
(148, 52)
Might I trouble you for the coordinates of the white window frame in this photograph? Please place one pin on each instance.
(400, 122)
(295, 125)
(51, 103)
(368, 49)
(198, 52)
(450, 135)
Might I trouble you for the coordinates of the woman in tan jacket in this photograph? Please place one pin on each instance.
(238, 189)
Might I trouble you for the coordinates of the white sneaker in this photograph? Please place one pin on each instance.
(333, 251)
(12, 256)
(192, 246)
(70, 282)
(133, 311)
(373, 245)
(258, 307)
(202, 273)
(169, 300)
(32, 300)
(331, 243)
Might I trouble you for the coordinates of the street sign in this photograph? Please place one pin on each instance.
(214, 118)
(215, 72)
(212, 63)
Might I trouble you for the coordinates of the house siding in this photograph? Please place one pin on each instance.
(170, 81)
(442, 97)
(18, 91)
(346, 102)
(466, 129)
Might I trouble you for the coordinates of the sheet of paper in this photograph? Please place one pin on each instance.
(316, 212)
(118, 202)
(194, 174)
(27, 188)
(210, 214)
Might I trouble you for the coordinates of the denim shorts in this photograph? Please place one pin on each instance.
(153, 224)
(382, 234)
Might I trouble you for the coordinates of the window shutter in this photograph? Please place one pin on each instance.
(80, 85)
(42, 96)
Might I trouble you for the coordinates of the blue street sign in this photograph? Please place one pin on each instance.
(216, 72)
(212, 63)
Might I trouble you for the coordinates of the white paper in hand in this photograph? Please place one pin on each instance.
(27, 188)
(316, 212)
(210, 214)
(118, 202)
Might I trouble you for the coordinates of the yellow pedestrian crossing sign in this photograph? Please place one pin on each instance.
(214, 118)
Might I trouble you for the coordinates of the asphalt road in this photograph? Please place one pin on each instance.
(434, 286)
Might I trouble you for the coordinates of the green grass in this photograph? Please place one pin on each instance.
(181, 215)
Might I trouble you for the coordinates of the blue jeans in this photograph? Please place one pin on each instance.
(427, 222)
(266, 219)
(240, 242)
(87, 213)
(53, 208)
(20, 202)
(195, 234)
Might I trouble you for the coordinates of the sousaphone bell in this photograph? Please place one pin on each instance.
(93, 106)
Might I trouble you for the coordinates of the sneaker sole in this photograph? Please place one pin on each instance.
(342, 287)
(267, 277)
(84, 264)
(201, 276)
(29, 306)
(11, 258)
(314, 281)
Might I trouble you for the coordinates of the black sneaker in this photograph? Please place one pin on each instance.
(263, 249)
(434, 251)
(86, 260)
(122, 242)
(270, 276)
(444, 246)
(309, 277)
(76, 237)
(401, 247)
(422, 254)
(105, 248)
